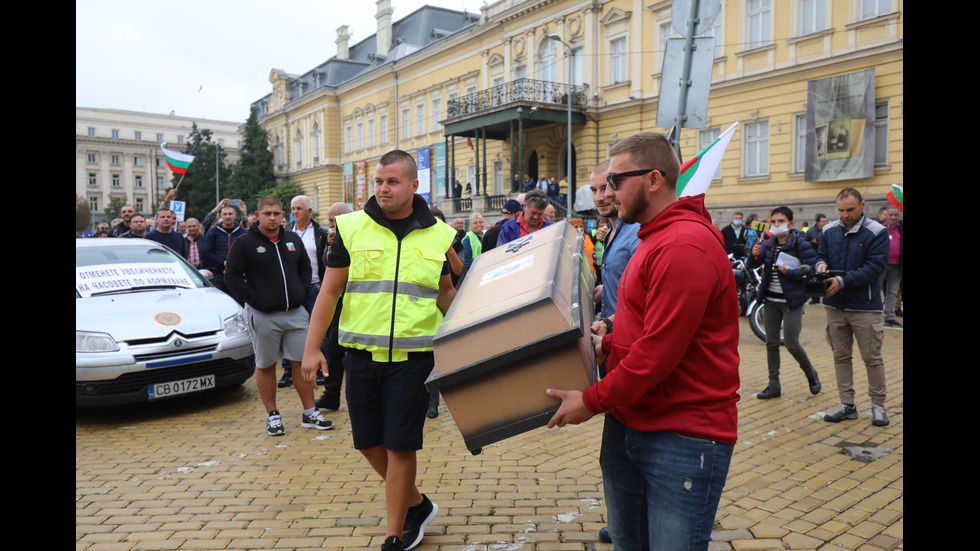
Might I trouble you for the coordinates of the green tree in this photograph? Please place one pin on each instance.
(253, 172)
(83, 213)
(197, 186)
(114, 207)
(284, 191)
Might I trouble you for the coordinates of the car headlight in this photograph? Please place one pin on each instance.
(90, 341)
(235, 324)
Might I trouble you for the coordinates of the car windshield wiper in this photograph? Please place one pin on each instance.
(138, 289)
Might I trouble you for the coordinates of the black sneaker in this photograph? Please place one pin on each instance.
(814, 382)
(842, 412)
(316, 421)
(417, 518)
(329, 403)
(273, 424)
(768, 393)
(287, 379)
(393, 544)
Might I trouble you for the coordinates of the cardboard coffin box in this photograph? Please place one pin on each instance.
(520, 323)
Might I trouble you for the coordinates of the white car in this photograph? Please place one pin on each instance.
(149, 326)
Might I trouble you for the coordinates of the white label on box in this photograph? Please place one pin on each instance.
(508, 269)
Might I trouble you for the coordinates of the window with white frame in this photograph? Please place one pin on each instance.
(138, 180)
(617, 60)
(520, 72)
(91, 132)
(138, 136)
(180, 139)
(348, 139)
(91, 158)
(115, 133)
(813, 16)
(159, 136)
(360, 135)
(758, 15)
(547, 60)
(420, 119)
(436, 114)
(665, 32)
(114, 159)
(159, 162)
(116, 180)
(406, 124)
(715, 31)
(93, 179)
(577, 70)
(874, 8)
(755, 159)
(705, 137)
(298, 142)
(160, 183)
(139, 204)
(137, 160)
(384, 129)
(370, 133)
(93, 203)
(799, 143)
(881, 133)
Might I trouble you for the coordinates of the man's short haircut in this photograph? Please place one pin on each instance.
(268, 201)
(850, 192)
(135, 214)
(474, 216)
(397, 156)
(165, 210)
(890, 208)
(307, 202)
(736, 213)
(819, 216)
(601, 168)
(651, 150)
(116, 221)
(229, 207)
(536, 198)
(437, 212)
(195, 220)
(783, 210)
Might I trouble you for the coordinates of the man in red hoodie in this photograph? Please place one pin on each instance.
(672, 362)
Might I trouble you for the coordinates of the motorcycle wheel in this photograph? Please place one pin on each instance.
(757, 322)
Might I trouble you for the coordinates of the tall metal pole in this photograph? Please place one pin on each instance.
(570, 213)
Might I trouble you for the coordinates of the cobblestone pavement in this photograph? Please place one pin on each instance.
(200, 473)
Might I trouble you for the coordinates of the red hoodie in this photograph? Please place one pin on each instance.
(673, 354)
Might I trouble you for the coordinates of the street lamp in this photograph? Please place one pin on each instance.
(568, 152)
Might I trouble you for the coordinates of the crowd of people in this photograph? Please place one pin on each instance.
(331, 299)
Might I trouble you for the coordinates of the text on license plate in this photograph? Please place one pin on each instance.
(172, 388)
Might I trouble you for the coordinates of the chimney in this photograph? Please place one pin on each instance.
(343, 37)
(383, 16)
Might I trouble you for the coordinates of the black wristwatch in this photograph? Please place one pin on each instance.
(609, 325)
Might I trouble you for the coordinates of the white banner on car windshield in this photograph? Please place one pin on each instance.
(92, 280)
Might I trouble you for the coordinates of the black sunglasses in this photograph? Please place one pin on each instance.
(613, 177)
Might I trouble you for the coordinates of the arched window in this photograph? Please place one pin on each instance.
(315, 136)
(298, 150)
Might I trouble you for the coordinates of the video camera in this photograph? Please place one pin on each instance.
(814, 282)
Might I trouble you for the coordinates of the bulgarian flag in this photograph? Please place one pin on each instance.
(697, 172)
(895, 198)
(178, 162)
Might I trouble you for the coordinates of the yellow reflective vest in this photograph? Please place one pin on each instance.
(392, 287)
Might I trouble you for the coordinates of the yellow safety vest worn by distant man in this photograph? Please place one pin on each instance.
(390, 304)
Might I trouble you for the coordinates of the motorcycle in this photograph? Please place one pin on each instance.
(814, 285)
(747, 282)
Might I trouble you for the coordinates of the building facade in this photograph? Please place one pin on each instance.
(488, 97)
(117, 154)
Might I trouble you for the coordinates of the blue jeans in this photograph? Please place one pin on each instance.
(662, 489)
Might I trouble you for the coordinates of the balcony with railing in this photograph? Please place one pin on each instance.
(521, 91)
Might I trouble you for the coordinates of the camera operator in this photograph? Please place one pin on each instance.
(782, 291)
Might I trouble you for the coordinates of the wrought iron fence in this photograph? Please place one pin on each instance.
(520, 90)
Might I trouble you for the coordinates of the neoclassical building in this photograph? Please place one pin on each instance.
(117, 154)
(485, 97)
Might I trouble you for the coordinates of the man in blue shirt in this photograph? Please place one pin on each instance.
(620, 243)
(164, 232)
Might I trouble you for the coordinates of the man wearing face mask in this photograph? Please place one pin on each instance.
(782, 290)
(736, 237)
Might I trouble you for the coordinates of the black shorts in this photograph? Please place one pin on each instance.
(387, 401)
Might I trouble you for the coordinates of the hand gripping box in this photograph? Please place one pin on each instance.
(520, 323)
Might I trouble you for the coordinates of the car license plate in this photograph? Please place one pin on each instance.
(173, 388)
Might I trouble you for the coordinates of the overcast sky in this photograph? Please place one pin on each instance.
(210, 58)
